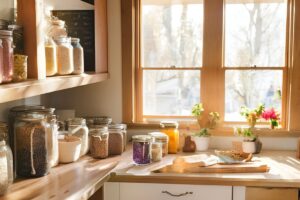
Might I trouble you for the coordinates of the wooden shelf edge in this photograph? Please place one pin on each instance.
(30, 88)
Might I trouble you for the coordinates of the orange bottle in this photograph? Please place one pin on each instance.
(171, 129)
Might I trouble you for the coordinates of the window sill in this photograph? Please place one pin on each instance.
(219, 131)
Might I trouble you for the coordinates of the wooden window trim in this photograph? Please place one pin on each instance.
(211, 61)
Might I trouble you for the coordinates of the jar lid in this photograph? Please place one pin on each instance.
(14, 27)
(99, 120)
(75, 40)
(61, 39)
(159, 135)
(117, 126)
(169, 124)
(6, 33)
(142, 138)
(31, 117)
(26, 108)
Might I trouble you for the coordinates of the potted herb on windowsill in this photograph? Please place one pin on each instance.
(252, 115)
(197, 112)
(251, 143)
(202, 139)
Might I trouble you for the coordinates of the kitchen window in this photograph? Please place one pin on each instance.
(223, 53)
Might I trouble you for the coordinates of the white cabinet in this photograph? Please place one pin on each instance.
(239, 193)
(147, 191)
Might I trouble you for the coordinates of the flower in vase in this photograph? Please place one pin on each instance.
(271, 115)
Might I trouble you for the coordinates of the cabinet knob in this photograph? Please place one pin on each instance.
(176, 195)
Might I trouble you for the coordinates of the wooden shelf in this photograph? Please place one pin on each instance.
(30, 88)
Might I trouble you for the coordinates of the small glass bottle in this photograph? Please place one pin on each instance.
(141, 149)
(171, 129)
(31, 145)
(8, 59)
(50, 54)
(78, 56)
(99, 141)
(77, 127)
(64, 55)
(6, 167)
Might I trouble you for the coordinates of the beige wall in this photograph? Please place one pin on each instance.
(6, 11)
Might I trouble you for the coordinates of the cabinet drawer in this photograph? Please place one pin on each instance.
(256, 193)
(137, 191)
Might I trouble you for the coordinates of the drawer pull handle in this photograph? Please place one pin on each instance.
(176, 195)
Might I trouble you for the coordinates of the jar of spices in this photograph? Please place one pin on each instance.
(77, 127)
(115, 140)
(64, 55)
(17, 38)
(123, 129)
(52, 140)
(141, 149)
(171, 129)
(156, 151)
(78, 56)
(1, 61)
(99, 141)
(20, 68)
(3, 132)
(50, 54)
(8, 51)
(6, 167)
(163, 139)
(31, 145)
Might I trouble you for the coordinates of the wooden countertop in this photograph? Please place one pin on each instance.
(81, 179)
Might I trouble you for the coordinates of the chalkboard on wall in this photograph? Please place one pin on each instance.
(81, 24)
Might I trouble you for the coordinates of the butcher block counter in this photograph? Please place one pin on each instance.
(81, 179)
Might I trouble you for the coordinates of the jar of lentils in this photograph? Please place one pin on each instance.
(141, 149)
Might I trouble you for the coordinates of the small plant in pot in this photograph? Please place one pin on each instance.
(202, 139)
(252, 115)
(251, 144)
(197, 112)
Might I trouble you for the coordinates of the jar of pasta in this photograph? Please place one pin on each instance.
(64, 53)
(20, 68)
(8, 59)
(78, 56)
(171, 129)
(51, 61)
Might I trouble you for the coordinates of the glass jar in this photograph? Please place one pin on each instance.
(20, 68)
(99, 141)
(50, 54)
(115, 140)
(17, 38)
(156, 151)
(4, 132)
(52, 140)
(8, 59)
(141, 149)
(163, 139)
(77, 127)
(123, 129)
(78, 56)
(57, 28)
(31, 145)
(171, 129)
(1, 61)
(6, 167)
(64, 56)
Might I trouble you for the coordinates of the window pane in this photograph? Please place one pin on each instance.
(250, 88)
(172, 33)
(255, 33)
(170, 92)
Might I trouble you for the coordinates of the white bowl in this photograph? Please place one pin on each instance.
(69, 149)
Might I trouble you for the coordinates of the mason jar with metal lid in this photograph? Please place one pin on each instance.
(99, 141)
(163, 139)
(64, 53)
(141, 145)
(171, 129)
(8, 55)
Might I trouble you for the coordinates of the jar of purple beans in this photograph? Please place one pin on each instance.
(141, 149)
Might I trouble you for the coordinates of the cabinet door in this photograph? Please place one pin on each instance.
(137, 191)
(239, 193)
(111, 191)
(256, 193)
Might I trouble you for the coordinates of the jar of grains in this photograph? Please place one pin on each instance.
(6, 167)
(1, 61)
(99, 141)
(77, 127)
(50, 53)
(141, 149)
(123, 129)
(8, 59)
(20, 68)
(52, 140)
(115, 140)
(64, 55)
(171, 129)
(156, 151)
(78, 56)
(31, 145)
(163, 139)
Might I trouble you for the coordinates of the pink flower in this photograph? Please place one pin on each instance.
(270, 114)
